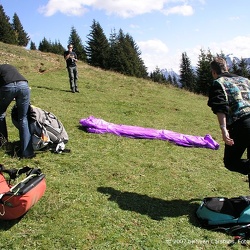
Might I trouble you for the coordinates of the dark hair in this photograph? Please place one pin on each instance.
(219, 65)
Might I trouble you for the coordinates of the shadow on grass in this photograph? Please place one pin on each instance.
(155, 208)
(49, 88)
(80, 127)
(12, 148)
(5, 225)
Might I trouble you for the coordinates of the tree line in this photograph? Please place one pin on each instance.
(12, 32)
(198, 80)
(119, 53)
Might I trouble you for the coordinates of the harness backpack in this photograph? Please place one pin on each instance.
(16, 200)
(215, 211)
(46, 129)
(231, 215)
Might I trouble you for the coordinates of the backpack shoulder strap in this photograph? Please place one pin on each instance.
(14, 173)
(246, 199)
(241, 233)
(31, 174)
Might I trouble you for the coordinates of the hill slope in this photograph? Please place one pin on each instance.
(112, 192)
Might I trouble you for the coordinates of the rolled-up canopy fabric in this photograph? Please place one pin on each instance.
(99, 126)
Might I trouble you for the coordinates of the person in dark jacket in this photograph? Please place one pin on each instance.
(71, 59)
(229, 99)
(15, 86)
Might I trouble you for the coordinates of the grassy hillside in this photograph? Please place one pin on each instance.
(113, 192)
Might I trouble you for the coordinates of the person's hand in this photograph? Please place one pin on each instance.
(226, 137)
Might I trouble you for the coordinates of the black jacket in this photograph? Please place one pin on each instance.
(8, 74)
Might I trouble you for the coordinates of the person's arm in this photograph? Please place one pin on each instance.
(223, 126)
(66, 55)
(219, 105)
(75, 57)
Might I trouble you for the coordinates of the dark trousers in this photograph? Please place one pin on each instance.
(240, 133)
(73, 76)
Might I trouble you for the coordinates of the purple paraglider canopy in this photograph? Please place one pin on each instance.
(99, 126)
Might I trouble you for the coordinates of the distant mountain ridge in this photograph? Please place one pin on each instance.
(172, 73)
(231, 57)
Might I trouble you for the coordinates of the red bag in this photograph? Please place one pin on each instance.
(16, 200)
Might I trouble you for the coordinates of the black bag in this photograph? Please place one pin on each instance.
(215, 211)
(231, 215)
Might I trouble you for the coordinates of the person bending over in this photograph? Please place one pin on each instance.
(15, 86)
(229, 99)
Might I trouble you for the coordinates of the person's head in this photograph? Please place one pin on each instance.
(218, 66)
(70, 47)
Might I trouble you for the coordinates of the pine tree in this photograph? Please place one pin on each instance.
(243, 71)
(136, 63)
(113, 61)
(7, 34)
(45, 45)
(117, 61)
(22, 36)
(187, 75)
(157, 76)
(32, 46)
(57, 48)
(204, 76)
(97, 48)
(77, 43)
(234, 68)
(52, 47)
(125, 56)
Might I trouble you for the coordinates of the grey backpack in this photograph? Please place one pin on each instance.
(46, 129)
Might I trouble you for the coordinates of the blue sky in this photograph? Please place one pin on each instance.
(163, 29)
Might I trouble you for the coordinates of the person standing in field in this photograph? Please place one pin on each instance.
(71, 60)
(15, 86)
(229, 99)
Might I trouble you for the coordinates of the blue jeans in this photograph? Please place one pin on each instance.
(21, 92)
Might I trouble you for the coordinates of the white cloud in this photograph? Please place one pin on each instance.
(67, 7)
(185, 10)
(156, 45)
(129, 8)
(134, 26)
(239, 46)
(123, 8)
(156, 53)
(234, 18)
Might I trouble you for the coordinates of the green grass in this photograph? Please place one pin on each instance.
(113, 192)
